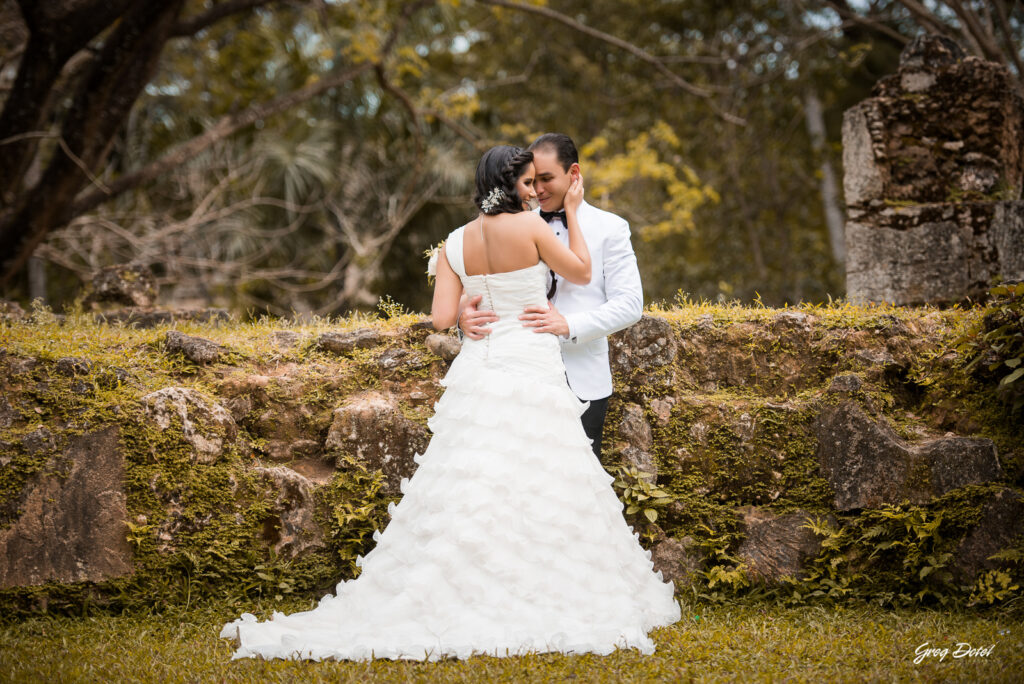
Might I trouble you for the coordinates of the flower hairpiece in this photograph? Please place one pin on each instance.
(492, 199)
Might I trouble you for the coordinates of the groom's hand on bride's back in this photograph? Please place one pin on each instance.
(473, 322)
(545, 319)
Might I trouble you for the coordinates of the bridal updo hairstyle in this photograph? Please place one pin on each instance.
(500, 168)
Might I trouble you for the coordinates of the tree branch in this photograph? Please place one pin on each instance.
(104, 96)
(226, 126)
(229, 124)
(1011, 48)
(982, 37)
(193, 25)
(845, 12)
(632, 49)
(924, 17)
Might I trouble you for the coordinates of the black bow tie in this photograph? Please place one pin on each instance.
(550, 215)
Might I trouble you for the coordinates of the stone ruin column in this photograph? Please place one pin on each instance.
(934, 169)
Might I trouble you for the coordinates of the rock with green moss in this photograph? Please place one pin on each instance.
(678, 560)
(11, 310)
(775, 546)
(345, 342)
(643, 347)
(444, 346)
(269, 472)
(291, 528)
(205, 425)
(963, 111)
(130, 284)
(934, 179)
(71, 523)
(286, 339)
(282, 425)
(7, 414)
(867, 464)
(372, 429)
(195, 349)
(1000, 526)
(71, 366)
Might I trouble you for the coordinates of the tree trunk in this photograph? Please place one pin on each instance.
(108, 91)
(57, 30)
(834, 219)
(37, 279)
(40, 67)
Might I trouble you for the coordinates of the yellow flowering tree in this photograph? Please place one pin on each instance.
(647, 180)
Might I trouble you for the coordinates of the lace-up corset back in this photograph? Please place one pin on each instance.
(507, 294)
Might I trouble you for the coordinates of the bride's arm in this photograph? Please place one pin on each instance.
(573, 263)
(447, 294)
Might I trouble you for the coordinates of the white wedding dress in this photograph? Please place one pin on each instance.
(508, 539)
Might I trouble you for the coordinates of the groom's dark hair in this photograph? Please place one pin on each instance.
(564, 147)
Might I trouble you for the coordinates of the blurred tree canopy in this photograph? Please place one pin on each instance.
(299, 156)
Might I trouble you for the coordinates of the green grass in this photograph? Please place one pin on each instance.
(740, 642)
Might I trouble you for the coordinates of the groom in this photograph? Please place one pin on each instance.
(581, 315)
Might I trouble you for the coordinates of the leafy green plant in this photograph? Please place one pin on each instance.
(826, 577)
(998, 585)
(638, 493)
(992, 586)
(993, 347)
(893, 555)
(725, 575)
(138, 533)
(359, 508)
(389, 308)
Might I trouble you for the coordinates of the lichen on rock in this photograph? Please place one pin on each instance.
(371, 428)
(205, 425)
(72, 522)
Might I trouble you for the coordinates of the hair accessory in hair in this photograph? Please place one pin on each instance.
(492, 199)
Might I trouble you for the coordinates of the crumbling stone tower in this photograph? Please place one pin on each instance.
(934, 171)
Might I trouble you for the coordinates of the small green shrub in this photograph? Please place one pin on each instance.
(993, 347)
(999, 586)
(893, 555)
(638, 493)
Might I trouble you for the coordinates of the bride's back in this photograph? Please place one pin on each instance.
(501, 244)
(516, 281)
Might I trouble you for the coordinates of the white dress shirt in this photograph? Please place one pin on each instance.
(611, 301)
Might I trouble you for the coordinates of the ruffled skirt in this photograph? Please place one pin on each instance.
(508, 539)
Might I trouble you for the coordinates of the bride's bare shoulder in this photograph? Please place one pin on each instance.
(529, 220)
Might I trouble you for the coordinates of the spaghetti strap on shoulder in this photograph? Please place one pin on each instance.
(483, 240)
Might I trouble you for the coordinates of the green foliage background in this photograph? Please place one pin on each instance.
(719, 209)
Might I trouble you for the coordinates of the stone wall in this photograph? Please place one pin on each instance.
(934, 172)
(135, 461)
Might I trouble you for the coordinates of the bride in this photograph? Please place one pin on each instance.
(509, 538)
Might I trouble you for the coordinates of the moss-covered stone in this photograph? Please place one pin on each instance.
(731, 400)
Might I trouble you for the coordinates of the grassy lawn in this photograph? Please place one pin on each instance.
(747, 642)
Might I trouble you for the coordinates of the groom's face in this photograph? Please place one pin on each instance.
(552, 181)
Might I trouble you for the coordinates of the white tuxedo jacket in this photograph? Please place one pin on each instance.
(612, 300)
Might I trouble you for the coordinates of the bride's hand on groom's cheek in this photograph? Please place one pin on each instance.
(545, 319)
(574, 196)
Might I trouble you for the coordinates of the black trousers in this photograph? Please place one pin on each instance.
(593, 423)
